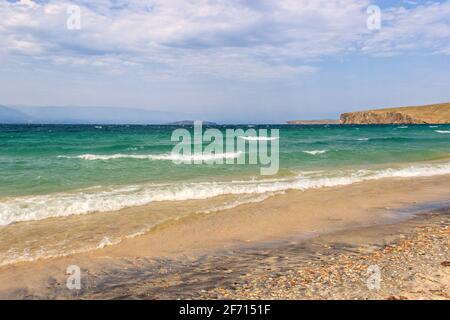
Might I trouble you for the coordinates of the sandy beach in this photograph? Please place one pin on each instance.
(413, 259)
(286, 247)
(210, 150)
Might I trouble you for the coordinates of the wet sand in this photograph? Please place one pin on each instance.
(412, 258)
(237, 252)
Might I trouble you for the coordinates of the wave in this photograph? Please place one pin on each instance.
(393, 139)
(259, 138)
(246, 199)
(89, 201)
(442, 131)
(13, 255)
(166, 156)
(315, 152)
(362, 139)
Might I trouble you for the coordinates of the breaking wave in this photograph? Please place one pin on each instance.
(87, 201)
(166, 156)
(259, 138)
(315, 152)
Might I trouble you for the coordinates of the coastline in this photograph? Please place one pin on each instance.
(413, 257)
(225, 158)
(194, 243)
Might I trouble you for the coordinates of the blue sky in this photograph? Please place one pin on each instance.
(231, 61)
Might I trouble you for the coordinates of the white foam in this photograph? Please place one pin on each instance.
(94, 200)
(259, 138)
(165, 157)
(362, 139)
(105, 242)
(442, 131)
(315, 152)
(246, 199)
(13, 255)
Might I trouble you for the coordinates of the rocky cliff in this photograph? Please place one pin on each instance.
(430, 114)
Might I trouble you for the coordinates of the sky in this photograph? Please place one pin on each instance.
(227, 60)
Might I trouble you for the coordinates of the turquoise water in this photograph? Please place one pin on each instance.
(48, 170)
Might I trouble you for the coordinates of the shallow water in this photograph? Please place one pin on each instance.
(52, 176)
(60, 170)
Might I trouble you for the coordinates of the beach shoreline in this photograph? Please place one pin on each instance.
(175, 256)
(412, 258)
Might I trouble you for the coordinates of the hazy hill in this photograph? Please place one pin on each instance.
(10, 115)
(327, 121)
(190, 123)
(429, 114)
(87, 115)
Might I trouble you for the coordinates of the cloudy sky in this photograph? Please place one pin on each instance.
(231, 60)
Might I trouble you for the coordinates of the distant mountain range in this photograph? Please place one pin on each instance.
(10, 115)
(87, 115)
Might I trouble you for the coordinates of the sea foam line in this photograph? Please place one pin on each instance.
(259, 138)
(315, 152)
(166, 156)
(12, 256)
(82, 202)
(442, 131)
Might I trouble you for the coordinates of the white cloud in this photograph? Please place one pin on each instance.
(424, 27)
(20, 46)
(222, 38)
